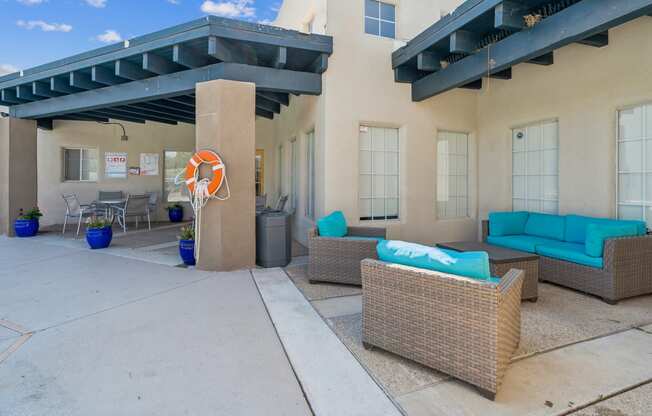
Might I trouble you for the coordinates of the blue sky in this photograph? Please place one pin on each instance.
(39, 31)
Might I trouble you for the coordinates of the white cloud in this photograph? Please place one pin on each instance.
(229, 8)
(7, 69)
(109, 36)
(174, 1)
(44, 26)
(31, 2)
(96, 3)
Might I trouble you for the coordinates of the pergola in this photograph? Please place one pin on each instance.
(487, 37)
(153, 77)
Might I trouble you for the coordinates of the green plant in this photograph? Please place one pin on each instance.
(95, 223)
(33, 214)
(176, 205)
(187, 233)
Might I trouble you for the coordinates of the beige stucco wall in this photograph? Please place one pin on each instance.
(583, 90)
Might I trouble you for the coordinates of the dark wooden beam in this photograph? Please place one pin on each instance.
(428, 62)
(45, 124)
(156, 64)
(545, 59)
(280, 58)
(105, 76)
(265, 114)
(42, 89)
(10, 96)
(406, 74)
(463, 41)
(130, 71)
(267, 105)
(169, 105)
(62, 85)
(84, 117)
(158, 113)
(600, 40)
(473, 85)
(283, 99)
(505, 74)
(26, 93)
(83, 81)
(509, 15)
(228, 51)
(189, 57)
(319, 65)
(107, 114)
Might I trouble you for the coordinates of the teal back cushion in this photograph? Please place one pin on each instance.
(474, 264)
(507, 223)
(332, 225)
(546, 225)
(597, 233)
(576, 226)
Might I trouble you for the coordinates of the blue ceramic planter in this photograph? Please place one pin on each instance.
(175, 214)
(98, 238)
(26, 228)
(187, 251)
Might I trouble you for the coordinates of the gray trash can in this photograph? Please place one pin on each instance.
(273, 239)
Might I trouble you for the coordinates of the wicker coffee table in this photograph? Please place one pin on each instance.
(502, 259)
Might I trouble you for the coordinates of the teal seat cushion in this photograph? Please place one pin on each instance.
(353, 237)
(571, 252)
(332, 225)
(546, 226)
(597, 233)
(473, 264)
(576, 226)
(519, 242)
(507, 223)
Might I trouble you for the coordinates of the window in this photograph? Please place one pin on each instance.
(635, 163)
(379, 19)
(260, 172)
(80, 165)
(175, 163)
(281, 171)
(310, 166)
(535, 168)
(452, 175)
(294, 174)
(379, 173)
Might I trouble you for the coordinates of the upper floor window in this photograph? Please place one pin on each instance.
(380, 19)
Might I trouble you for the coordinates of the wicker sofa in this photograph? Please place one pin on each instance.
(463, 327)
(626, 270)
(337, 260)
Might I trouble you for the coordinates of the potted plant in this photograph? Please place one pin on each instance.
(98, 233)
(175, 212)
(27, 223)
(187, 245)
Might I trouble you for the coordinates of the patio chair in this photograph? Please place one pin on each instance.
(76, 210)
(261, 201)
(464, 327)
(337, 259)
(153, 202)
(107, 196)
(282, 201)
(136, 206)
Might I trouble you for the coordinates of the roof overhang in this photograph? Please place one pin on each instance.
(153, 77)
(488, 37)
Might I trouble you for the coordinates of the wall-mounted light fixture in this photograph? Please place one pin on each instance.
(124, 137)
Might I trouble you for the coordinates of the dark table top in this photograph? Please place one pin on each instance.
(496, 254)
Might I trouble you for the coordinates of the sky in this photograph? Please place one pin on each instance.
(34, 32)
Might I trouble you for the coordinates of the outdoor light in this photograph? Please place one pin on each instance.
(124, 136)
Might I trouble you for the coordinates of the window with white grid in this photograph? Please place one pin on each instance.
(379, 173)
(452, 175)
(635, 163)
(535, 167)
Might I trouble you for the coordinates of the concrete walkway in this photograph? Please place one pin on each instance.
(85, 333)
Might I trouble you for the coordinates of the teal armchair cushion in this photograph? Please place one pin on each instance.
(473, 264)
(596, 234)
(576, 226)
(572, 252)
(332, 225)
(526, 243)
(546, 226)
(507, 223)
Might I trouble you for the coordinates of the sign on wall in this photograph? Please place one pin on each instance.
(115, 165)
(149, 164)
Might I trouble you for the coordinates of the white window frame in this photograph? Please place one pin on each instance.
(81, 149)
(645, 203)
(443, 179)
(379, 19)
(372, 174)
(294, 174)
(310, 175)
(541, 174)
(185, 196)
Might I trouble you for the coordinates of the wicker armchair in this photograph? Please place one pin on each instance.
(462, 327)
(337, 260)
(627, 270)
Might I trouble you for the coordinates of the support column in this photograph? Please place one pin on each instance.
(18, 179)
(226, 124)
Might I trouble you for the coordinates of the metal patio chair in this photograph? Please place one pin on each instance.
(136, 206)
(76, 210)
(108, 196)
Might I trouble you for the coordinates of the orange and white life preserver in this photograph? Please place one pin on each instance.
(192, 171)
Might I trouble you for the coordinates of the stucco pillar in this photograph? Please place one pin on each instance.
(226, 125)
(18, 179)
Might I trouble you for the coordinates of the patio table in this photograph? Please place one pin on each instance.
(501, 260)
(110, 204)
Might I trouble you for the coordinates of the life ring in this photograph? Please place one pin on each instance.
(192, 171)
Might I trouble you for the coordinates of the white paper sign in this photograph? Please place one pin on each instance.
(115, 165)
(149, 164)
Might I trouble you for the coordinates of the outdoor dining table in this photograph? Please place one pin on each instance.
(110, 204)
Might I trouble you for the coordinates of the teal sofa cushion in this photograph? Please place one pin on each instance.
(546, 226)
(571, 252)
(332, 225)
(519, 242)
(473, 264)
(576, 226)
(507, 223)
(597, 233)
